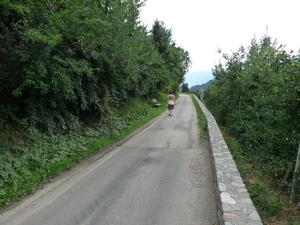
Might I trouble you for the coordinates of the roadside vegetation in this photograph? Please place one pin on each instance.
(272, 203)
(76, 76)
(29, 160)
(255, 99)
(202, 121)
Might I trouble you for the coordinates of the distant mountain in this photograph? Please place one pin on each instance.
(198, 77)
(201, 87)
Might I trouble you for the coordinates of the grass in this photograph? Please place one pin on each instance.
(202, 121)
(271, 205)
(29, 160)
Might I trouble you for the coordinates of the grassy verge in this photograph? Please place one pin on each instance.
(29, 160)
(272, 206)
(202, 121)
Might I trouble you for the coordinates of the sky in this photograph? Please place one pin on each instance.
(203, 26)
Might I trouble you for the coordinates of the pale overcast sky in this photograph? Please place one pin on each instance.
(202, 26)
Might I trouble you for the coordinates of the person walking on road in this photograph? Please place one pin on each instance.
(171, 101)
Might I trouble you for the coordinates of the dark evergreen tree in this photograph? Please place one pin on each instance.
(185, 87)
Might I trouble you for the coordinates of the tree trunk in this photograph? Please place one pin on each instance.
(294, 177)
(285, 178)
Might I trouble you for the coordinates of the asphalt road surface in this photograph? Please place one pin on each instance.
(161, 176)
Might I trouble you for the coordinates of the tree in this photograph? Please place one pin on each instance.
(185, 87)
(64, 61)
(261, 86)
(60, 61)
(176, 59)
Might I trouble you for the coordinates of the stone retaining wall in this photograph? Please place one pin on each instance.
(235, 205)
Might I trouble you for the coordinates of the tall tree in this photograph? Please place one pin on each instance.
(61, 60)
(176, 59)
(185, 87)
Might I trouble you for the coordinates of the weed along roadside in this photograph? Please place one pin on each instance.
(51, 155)
(272, 206)
(29, 160)
(235, 205)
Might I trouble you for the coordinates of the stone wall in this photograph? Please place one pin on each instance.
(235, 205)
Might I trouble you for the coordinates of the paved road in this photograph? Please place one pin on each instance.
(161, 176)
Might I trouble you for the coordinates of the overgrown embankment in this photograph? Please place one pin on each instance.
(29, 160)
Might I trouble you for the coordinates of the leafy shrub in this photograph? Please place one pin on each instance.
(28, 160)
(266, 200)
(255, 95)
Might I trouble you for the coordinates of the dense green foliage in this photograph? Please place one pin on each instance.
(185, 87)
(68, 72)
(256, 95)
(64, 61)
(27, 160)
(269, 203)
